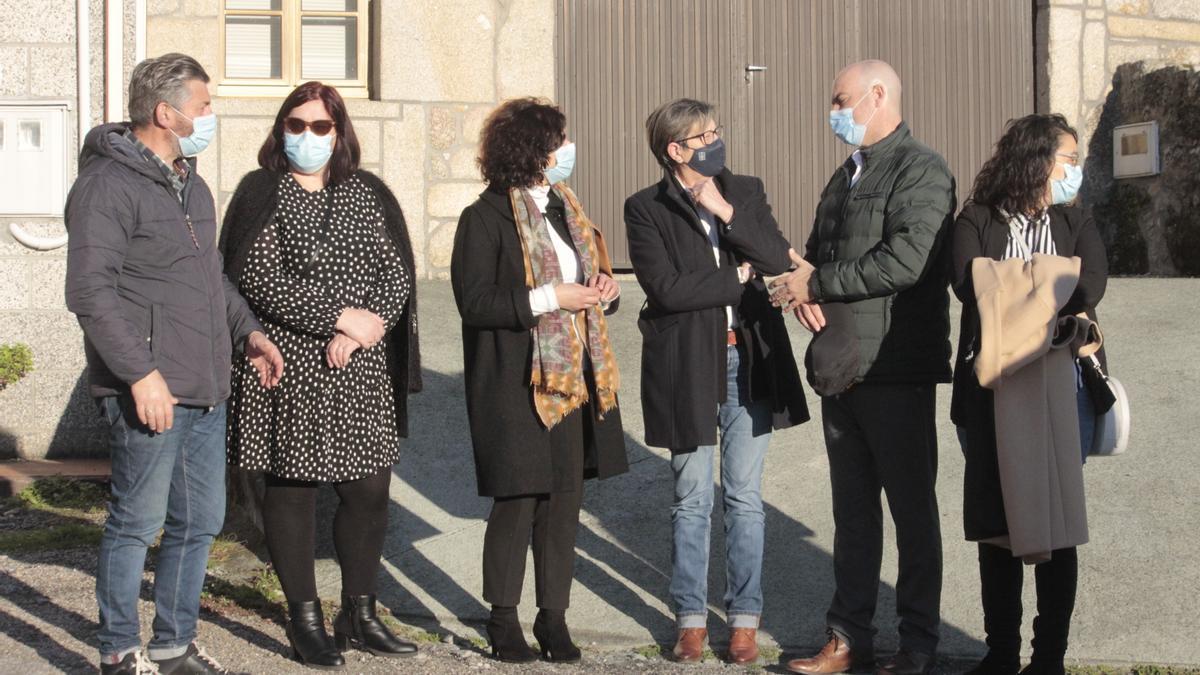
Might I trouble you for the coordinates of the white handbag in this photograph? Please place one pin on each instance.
(1112, 428)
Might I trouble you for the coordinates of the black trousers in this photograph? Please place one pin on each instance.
(1002, 576)
(552, 520)
(882, 437)
(359, 529)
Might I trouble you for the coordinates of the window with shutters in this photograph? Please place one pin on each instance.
(270, 46)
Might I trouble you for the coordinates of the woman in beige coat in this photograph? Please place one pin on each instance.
(1020, 205)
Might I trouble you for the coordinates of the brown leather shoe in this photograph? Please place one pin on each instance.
(834, 657)
(689, 648)
(743, 645)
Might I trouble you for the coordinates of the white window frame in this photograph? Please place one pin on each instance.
(291, 17)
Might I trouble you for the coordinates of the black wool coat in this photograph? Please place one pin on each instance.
(683, 323)
(253, 206)
(982, 231)
(514, 453)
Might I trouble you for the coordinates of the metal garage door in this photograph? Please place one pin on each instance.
(966, 65)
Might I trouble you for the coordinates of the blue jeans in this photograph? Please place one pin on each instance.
(173, 481)
(745, 433)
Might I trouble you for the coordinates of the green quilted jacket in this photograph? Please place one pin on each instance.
(881, 247)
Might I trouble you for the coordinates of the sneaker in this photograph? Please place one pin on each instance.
(195, 661)
(133, 663)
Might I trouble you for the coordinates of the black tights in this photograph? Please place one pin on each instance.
(359, 527)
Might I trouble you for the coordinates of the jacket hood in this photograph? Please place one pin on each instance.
(108, 141)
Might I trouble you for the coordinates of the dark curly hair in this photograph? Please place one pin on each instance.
(1014, 179)
(516, 140)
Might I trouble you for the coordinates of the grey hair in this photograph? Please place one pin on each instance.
(671, 122)
(163, 78)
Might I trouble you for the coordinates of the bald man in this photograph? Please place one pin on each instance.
(876, 253)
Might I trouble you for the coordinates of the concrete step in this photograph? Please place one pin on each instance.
(16, 475)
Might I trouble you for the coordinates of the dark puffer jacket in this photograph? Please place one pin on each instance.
(148, 296)
(880, 246)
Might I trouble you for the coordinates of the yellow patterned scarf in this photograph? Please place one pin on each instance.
(557, 377)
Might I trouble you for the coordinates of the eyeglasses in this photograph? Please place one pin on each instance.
(707, 138)
(1074, 158)
(295, 125)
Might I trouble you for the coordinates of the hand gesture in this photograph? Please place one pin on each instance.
(707, 195)
(339, 349)
(362, 326)
(265, 358)
(810, 316)
(574, 297)
(791, 289)
(608, 287)
(154, 403)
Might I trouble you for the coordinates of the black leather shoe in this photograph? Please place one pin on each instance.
(192, 662)
(508, 641)
(359, 627)
(550, 630)
(311, 645)
(906, 662)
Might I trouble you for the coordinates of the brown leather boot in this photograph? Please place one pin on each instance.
(689, 648)
(834, 657)
(743, 645)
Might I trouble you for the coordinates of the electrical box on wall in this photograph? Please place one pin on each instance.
(33, 158)
(1135, 150)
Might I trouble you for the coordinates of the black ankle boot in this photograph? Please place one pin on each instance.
(550, 630)
(508, 642)
(997, 664)
(359, 627)
(311, 645)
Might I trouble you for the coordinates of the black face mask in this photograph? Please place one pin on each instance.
(709, 160)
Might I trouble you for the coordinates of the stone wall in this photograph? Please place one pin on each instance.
(1085, 44)
(441, 67)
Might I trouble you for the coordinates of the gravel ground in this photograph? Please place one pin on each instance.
(47, 625)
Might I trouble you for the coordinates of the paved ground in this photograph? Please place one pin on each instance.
(1138, 580)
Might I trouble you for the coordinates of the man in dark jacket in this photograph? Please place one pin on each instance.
(715, 355)
(877, 245)
(160, 323)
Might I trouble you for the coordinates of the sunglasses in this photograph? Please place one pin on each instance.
(295, 125)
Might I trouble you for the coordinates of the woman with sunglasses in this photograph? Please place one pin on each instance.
(320, 250)
(1021, 205)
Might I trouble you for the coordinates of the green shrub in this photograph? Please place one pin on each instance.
(16, 361)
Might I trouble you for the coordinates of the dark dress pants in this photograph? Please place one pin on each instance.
(551, 519)
(882, 437)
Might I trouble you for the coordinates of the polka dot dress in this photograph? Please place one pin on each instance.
(319, 423)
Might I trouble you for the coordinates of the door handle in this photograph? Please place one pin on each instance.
(753, 68)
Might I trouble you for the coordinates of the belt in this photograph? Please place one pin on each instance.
(731, 337)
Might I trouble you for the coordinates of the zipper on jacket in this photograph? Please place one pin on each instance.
(187, 219)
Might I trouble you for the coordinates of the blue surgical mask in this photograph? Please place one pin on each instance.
(308, 152)
(845, 128)
(1064, 190)
(564, 162)
(204, 128)
(709, 160)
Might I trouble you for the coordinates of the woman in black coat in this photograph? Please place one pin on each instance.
(715, 355)
(531, 278)
(1023, 191)
(320, 250)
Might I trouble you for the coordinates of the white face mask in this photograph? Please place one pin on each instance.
(204, 128)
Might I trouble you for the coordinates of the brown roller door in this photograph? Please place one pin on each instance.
(967, 67)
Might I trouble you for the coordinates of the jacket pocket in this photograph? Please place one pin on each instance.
(651, 327)
(156, 332)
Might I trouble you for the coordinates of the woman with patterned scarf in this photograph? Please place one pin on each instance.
(533, 283)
